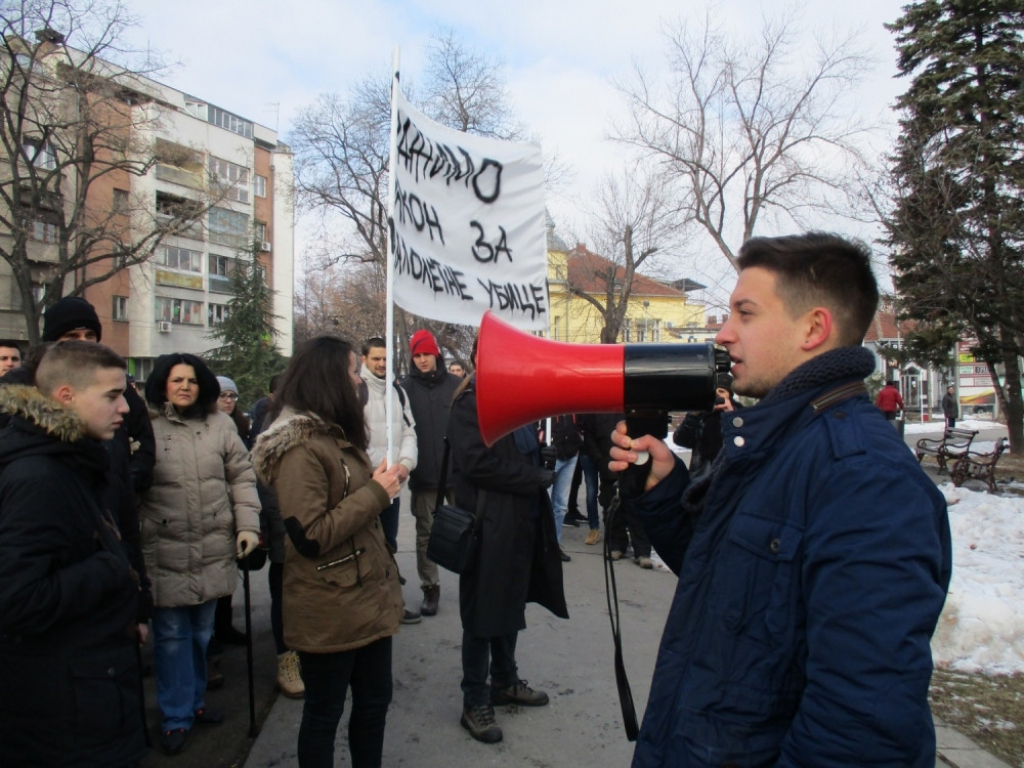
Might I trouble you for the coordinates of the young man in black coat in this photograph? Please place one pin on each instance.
(69, 676)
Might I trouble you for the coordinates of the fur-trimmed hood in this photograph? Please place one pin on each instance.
(35, 425)
(289, 429)
(46, 413)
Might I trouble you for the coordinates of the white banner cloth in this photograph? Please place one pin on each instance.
(467, 224)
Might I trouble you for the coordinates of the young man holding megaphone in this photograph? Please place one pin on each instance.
(813, 557)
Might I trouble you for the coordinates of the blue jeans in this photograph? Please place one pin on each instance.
(389, 522)
(592, 478)
(180, 639)
(560, 492)
(327, 677)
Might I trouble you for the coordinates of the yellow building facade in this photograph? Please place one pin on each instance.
(656, 312)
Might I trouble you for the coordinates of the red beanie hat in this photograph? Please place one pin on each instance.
(423, 343)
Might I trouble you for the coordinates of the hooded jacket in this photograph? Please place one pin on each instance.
(430, 398)
(813, 562)
(331, 508)
(68, 597)
(203, 493)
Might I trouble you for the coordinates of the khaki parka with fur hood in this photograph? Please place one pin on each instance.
(203, 493)
(331, 510)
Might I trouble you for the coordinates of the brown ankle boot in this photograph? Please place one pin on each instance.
(431, 596)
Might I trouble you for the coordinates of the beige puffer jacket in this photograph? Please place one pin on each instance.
(331, 509)
(204, 491)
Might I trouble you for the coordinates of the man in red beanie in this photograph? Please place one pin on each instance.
(431, 389)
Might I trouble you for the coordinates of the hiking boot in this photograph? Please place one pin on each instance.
(479, 721)
(209, 716)
(411, 617)
(173, 741)
(289, 675)
(644, 562)
(431, 596)
(593, 537)
(615, 554)
(518, 693)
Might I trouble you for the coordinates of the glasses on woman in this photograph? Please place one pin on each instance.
(228, 396)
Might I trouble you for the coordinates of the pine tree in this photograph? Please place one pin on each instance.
(247, 353)
(957, 229)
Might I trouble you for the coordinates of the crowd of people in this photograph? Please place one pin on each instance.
(813, 555)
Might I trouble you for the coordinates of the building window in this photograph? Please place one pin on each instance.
(38, 228)
(217, 314)
(231, 122)
(180, 258)
(260, 185)
(229, 228)
(120, 202)
(40, 154)
(231, 177)
(119, 310)
(557, 329)
(221, 270)
(261, 231)
(179, 311)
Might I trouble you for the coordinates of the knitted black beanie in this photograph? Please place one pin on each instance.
(70, 313)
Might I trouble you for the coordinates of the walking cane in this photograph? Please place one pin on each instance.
(253, 728)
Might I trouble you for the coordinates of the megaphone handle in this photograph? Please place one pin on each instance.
(634, 477)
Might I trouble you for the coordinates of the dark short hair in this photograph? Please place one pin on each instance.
(374, 342)
(209, 388)
(11, 343)
(74, 363)
(820, 269)
(317, 381)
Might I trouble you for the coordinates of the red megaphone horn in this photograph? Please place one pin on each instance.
(522, 378)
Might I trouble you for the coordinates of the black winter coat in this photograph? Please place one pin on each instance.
(430, 398)
(566, 435)
(69, 677)
(517, 560)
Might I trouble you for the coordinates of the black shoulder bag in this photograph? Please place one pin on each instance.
(455, 533)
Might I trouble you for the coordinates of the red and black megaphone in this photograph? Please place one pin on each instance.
(522, 378)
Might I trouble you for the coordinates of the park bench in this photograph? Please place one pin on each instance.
(953, 443)
(972, 465)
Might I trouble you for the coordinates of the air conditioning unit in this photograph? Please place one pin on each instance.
(265, 246)
(163, 326)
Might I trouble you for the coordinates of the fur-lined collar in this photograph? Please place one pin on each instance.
(289, 429)
(46, 413)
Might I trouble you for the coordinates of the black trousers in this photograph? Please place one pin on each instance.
(481, 655)
(327, 677)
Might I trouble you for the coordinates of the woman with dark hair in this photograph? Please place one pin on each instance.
(201, 514)
(342, 600)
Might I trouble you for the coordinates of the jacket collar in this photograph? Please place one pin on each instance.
(33, 406)
(290, 429)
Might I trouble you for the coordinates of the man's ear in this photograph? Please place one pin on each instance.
(818, 328)
(64, 394)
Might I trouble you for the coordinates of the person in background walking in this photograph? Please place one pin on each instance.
(889, 400)
(201, 513)
(950, 408)
(342, 599)
(566, 439)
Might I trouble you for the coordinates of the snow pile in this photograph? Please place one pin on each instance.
(982, 625)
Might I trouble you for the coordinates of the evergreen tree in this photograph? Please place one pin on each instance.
(957, 227)
(247, 353)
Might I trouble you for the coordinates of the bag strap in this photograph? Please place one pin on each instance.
(443, 480)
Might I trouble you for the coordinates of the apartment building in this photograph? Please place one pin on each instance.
(198, 154)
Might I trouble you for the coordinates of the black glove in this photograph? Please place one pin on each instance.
(548, 457)
(547, 478)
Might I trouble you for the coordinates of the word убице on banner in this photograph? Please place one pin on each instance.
(467, 225)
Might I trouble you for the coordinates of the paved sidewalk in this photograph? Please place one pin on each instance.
(571, 660)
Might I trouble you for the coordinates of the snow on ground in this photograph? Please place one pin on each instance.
(982, 625)
(937, 425)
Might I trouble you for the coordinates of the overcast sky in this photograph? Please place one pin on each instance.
(265, 59)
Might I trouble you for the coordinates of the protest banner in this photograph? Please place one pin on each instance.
(466, 224)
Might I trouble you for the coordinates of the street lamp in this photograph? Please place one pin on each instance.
(646, 305)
